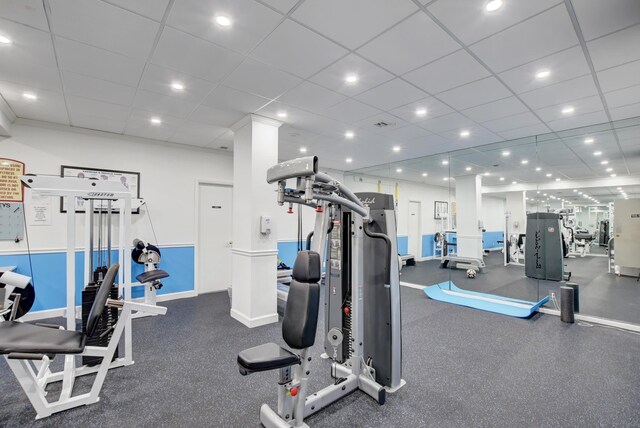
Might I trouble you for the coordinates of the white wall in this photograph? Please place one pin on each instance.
(168, 174)
(493, 213)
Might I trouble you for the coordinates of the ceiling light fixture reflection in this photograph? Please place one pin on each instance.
(351, 78)
(223, 21)
(349, 134)
(506, 153)
(604, 162)
(421, 112)
(396, 149)
(597, 153)
(445, 162)
(5, 40)
(303, 150)
(156, 121)
(29, 96)
(568, 110)
(424, 174)
(399, 170)
(348, 160)
(177, 86)
(465, 133)
(493, 5)
(501, 178)
(588, 140)
(538, 169)
(282, 114)
(468, 168)
(542, 74)
(524, 161)
(549, 174)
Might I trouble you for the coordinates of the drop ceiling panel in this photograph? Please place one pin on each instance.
(525, 131)
(623, 97)
(369, 75)
(409, 132)
(564, 65)
(411, 34)
(526, 42)
(98, 63)
(615, 49)
(88, 121)
(476, 93)
(159, 79)
(620, 77)
(369, 124)
(453, 121)
(512, 122)
(632, 110)
(600, 18)
(438, 76)
(28, 12)
(31, 75)
(30, 46)
(283, 6)
(99, 109)
(224, 97)
(470, 22)
(251, 21)
(49, 106)
(97, 89)
(577, 121)
(190, 55)
(162, 105)
(312, 97)
(350, 111)
(354, 22)
(153, 9)
(297, 50)
(560, 93)
(197, 134)
(495, 109)
(270, 84)
(138, 125)
(212, 116)
(391, 94)
(434, 108)
(582, 106)
(104, 26)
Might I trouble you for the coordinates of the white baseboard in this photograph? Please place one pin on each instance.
(410, 285)
(59, 312)
(254, 322)
(595, 320)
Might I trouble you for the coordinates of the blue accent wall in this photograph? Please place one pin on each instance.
(287, 252)
(427, 245)
(50, 274)
(403, 245)
(490, 240)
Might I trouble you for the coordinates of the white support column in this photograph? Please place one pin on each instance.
(469, 209)
(516, 206)
(254, 255)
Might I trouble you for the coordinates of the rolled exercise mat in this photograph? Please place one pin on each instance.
(576, 295)
(566, 304)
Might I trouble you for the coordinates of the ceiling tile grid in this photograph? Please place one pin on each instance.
(431, 71)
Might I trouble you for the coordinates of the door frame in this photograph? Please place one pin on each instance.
(196, 255)
(419, 255)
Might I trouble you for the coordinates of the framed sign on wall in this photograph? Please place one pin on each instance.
(440, 209)
(129, 179)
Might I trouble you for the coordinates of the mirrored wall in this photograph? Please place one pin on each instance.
(516, 220)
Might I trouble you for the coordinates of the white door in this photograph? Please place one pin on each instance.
(414, 229)
(214, 238)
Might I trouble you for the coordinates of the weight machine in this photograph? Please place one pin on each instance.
(362, 304)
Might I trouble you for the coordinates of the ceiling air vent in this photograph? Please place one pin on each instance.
(383, 124)
(224, 147)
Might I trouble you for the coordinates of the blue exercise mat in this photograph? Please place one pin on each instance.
(449, 293)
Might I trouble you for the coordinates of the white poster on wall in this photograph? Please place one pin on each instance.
(39, 213)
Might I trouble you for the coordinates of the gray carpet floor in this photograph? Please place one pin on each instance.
(463, 367)
(602, 294)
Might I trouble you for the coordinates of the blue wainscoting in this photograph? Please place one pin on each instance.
(490, 240)
(403, 245)
(427, 245)
(49, 274)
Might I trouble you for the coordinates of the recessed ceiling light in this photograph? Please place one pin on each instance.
(575, 190)
(538, 192)
(619, 188)
(464, 133)
(445, 178)
(351, 78)
(421, 112)
(445, 162)
(524, 161)
(156, 121)
(538, 168)
(542, 74)
(506, 153)
(424, 174)
(558, 179)
(613, 175)
(579, 193)
(609, 169)
(514, 182)
(399, 170)
(223, 21)
(568, 110)
(5, 40)
(588, 140)
(177, 86)
(493, 5)
(468, 168)
(597, 153)
(348, 160)
(282, 114)
(604, 162)
(30, 95)
(396, 149)
(303, 150)
(544, 194)
(549, 174)
(501, 178)
(486, 174)
(349, 134)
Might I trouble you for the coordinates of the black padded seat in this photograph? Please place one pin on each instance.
(585, 236)
(152, 275)
(269, 356)
(32, 339)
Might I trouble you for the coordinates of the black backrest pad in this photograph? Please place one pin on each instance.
(300, 320)
(307, 267)
(101, 299)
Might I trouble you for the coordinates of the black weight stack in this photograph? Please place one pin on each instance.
(107, 321)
